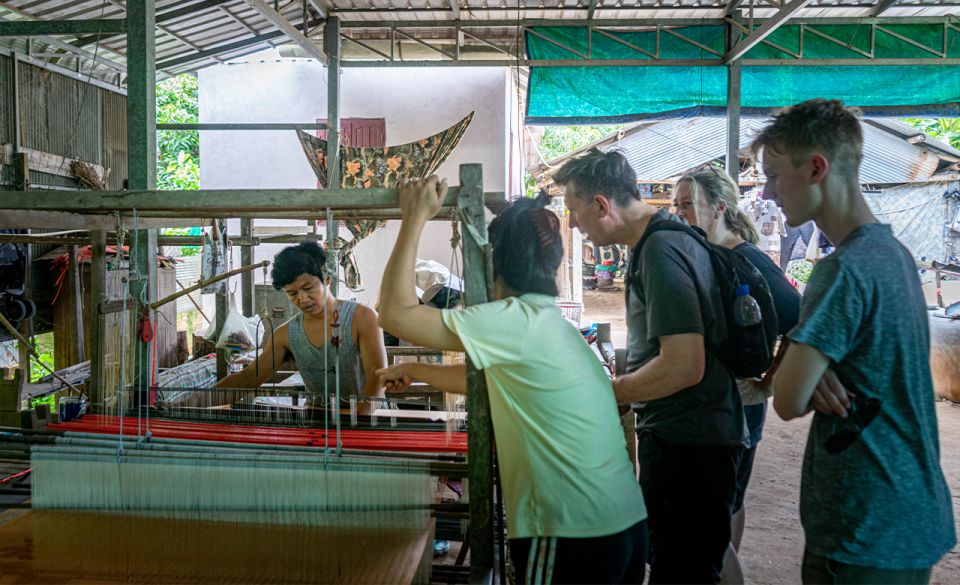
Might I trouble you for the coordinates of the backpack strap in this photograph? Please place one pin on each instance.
(654, 227)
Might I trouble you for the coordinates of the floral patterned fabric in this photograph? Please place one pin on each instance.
(367, 168)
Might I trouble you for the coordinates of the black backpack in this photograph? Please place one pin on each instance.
(747, 352)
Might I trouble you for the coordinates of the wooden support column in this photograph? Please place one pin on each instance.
(98, 283)
(733, 108)
(331, 46)
(476, 259)
(142, 163)
(21, 180)
(76, 291)
(220, 319)
(246, 259)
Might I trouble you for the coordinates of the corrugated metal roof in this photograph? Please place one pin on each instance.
(189, 27)
(661, 151)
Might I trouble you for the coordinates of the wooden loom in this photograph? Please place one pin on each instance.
(189, 505)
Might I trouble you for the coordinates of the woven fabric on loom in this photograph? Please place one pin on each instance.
(386, 440)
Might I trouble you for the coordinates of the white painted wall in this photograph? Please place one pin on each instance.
(415, 102)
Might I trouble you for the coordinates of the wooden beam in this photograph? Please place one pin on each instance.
(288, 29)
(246, 279)
(142, 170)
(765, 29)
(45, 162)
(733, 108)
(51, 220)
(477, 270)
(332, 46)
(881, 7)
(214, 201)
(36, 28)
(76, 290)
(98, 282)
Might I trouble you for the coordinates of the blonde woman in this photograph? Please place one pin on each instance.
(707, 199)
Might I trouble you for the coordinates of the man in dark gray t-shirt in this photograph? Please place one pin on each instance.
(676, 300)
(875, 506)
(691, 428)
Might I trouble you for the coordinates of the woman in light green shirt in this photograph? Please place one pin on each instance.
(575, 512)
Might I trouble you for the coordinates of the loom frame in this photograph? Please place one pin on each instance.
(467, 202)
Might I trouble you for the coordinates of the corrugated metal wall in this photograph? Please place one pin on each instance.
(65, 117)
(6, 99)
(6, 114)
(114, 136)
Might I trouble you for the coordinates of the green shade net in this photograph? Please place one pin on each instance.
(600, 94)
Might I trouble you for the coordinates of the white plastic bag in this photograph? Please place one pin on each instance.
(240, 334)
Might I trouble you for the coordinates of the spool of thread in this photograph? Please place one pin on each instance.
(69, 408)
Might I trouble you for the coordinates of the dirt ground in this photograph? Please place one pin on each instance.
(773, 539)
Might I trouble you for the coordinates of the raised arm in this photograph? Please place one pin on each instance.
(400, 312)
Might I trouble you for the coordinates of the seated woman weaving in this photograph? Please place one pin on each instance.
(574, 509)
(352, 334)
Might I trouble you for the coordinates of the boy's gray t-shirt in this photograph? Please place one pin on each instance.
(883, 502)
(680, 296)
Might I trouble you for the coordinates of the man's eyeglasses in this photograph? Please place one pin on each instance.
(847, 430)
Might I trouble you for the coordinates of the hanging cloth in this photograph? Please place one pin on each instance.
(371, 167)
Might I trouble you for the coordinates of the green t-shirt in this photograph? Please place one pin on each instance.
(563, 458)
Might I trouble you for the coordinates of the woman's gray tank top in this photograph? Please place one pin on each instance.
(310, 360)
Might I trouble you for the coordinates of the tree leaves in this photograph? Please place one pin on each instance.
(178, 151)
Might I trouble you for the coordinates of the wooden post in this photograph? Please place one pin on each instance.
(142, 165)
(77, 298)
(221, 319)
(98, 282)
(733, 108)
(476, 259)
(21, 179)
(331, 46)
(246, 259)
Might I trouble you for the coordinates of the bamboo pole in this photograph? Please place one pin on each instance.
(204, 283)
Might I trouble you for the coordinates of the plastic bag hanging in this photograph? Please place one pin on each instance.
(214, 257)
(240, 333)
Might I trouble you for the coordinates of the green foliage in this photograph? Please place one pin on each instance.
(560, 140)
(529, 186)
(43, 345)
(49, 399)
(185, 231)
(178, 151)
(944, 129)
(800, 270)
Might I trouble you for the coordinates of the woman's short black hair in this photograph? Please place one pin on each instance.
(527, 246)
(290, 263)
